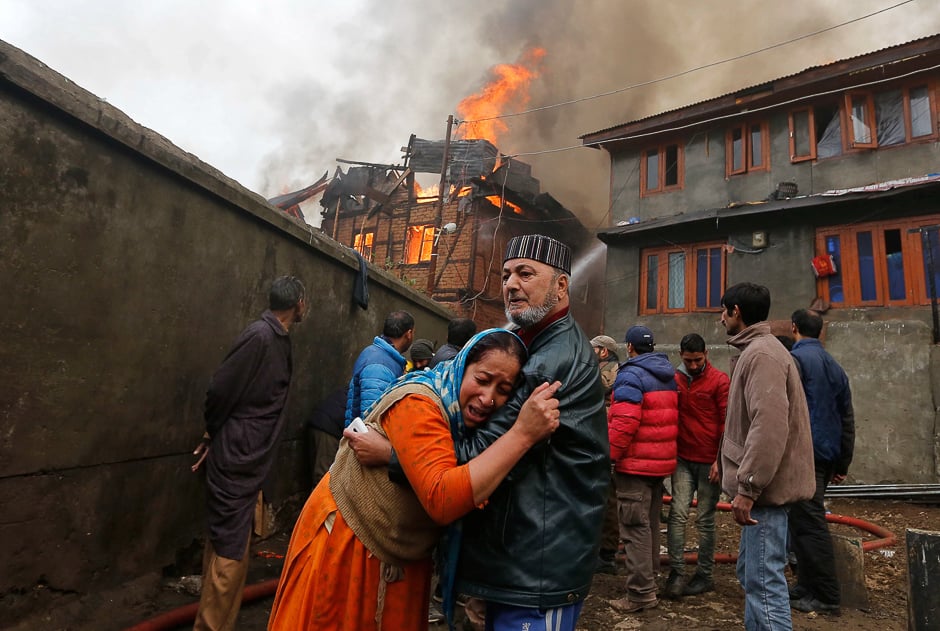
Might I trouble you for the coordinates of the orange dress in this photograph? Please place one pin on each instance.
(330, 580)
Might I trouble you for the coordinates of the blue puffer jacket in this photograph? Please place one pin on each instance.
(829, 399)
(377, 366)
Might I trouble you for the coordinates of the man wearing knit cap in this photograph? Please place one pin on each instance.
(530, 553)
(421, 353)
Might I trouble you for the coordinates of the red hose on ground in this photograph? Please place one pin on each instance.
(886, 537)
(187, 613)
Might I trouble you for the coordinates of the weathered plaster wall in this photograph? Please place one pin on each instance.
(128, 267)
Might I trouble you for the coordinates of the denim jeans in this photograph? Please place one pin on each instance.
(762, 556)
(691, 478)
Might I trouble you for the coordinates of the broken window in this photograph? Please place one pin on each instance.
(673, 276)
(830, 140)
(363, 244)
(890, 117)
(419, 244)
(661, 169)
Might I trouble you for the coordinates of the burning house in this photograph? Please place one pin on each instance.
(449, 242)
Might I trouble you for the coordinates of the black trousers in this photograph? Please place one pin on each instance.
(812, 543)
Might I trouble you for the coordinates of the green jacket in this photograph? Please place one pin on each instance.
(535, 543)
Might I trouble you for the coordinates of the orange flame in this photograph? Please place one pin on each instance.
(431, 193)
(507, 92)
(496, 199)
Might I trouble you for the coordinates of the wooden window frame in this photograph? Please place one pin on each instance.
(931, 106)
(811, 131)
(690, 251)
(848, 131)
(661, 186)
(369, 239)
(747, 162)
(427, 235)
(915, 280)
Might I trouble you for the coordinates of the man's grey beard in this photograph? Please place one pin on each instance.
(533, 315)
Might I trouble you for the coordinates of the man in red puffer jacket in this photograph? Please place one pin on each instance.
(643, 424)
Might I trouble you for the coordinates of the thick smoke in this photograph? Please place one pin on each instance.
(408, 64)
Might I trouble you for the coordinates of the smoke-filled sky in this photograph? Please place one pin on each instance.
(271, 92)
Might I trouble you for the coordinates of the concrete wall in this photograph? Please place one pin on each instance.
(127, 268)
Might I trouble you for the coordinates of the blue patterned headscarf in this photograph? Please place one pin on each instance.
(445, 379)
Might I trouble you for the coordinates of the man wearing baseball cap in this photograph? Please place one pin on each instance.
(644, 421)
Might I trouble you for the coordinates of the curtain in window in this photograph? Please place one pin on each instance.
(889, 117)
(676, 298)
(831, 142)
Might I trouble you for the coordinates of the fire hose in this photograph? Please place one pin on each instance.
(187, 613)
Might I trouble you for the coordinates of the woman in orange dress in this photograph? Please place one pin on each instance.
(360, 555)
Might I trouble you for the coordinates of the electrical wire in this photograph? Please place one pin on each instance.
(689, 71)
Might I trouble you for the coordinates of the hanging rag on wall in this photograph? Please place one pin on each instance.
(361, 284)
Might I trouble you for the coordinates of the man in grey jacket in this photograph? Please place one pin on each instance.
(766, 454)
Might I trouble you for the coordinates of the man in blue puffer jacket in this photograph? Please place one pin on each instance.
(832, 421)
(379, 364)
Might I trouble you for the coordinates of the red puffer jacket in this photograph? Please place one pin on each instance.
(644, 417)
(703, 403)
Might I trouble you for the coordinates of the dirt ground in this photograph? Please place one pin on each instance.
(885, 578)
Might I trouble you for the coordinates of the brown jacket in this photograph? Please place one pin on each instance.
(767, 449)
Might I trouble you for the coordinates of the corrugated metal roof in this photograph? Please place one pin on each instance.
(766, 83)
(873, 191)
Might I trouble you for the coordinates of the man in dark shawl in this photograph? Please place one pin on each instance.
(244, 416)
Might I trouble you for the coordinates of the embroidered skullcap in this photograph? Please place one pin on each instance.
(540, 248)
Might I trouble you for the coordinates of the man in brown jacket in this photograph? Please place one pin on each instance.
(766, 453)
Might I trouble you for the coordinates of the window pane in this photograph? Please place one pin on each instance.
(889, 117)
(921, 125)
(757, 146)
(676, 281)
(861, 133)
(652, 169)
(895, 263)
(701, 279)
(801, 145)
(715, 288)
(866, 266)
(828, 131)
(933, 242)
(427, 244)
(652, 281)
(671, 175)
(834, 249)
(737, 149)
(708, 278)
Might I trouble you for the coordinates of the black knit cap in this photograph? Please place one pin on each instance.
(540, 248)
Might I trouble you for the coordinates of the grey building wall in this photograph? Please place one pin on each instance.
(128, 267)
(706, 185)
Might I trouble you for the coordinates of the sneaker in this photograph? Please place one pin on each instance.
(698, 585)
(625, 605)
(435, 614)
(808, 603)
(675, 586)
